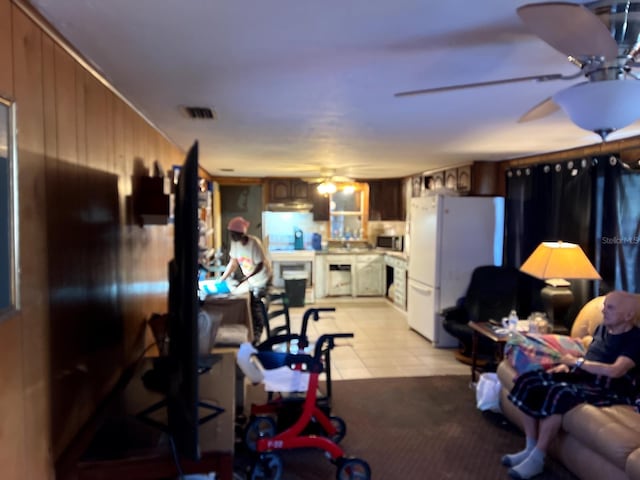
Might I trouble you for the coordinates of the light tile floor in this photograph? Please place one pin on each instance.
(383, 345)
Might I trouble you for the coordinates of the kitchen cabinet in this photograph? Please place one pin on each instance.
(386, 199)
(369, 275)
(398, 277)
(349, 274)
(287, 190)
(320, 204)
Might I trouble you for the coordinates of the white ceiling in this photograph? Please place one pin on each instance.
(300, 85)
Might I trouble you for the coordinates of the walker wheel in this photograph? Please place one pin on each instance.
(268, 467)
(353, 469)
(341, 429)
(259, 427)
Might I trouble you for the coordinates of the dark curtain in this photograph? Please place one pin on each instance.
(618, 235)
(589, 202)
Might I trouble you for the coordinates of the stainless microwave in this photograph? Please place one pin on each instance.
(390, 242)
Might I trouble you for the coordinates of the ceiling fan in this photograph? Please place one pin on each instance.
(327, 181)
(601, 38)
(329, 174)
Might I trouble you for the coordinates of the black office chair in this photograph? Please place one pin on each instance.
(277, 305)
(492, 293)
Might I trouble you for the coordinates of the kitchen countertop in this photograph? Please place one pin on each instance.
(363, 251)
(400, 255)
(292, 255)
(289, 255)
(347, 251)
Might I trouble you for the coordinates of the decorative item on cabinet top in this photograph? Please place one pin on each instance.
(478, 178)
(451, 179)
(150, 200)
(435, 181)
(464, 178)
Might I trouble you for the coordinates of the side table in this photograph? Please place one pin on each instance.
(487, 330)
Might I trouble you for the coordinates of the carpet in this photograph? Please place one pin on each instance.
(411, 429)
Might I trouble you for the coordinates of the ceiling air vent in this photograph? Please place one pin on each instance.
(200, 113)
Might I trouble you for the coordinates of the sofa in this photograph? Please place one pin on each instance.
(594, 442)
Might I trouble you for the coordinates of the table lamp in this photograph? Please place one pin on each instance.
(555, 263)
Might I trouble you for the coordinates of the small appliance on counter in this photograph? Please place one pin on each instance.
(390, 242)
(316, 241)
(298, 239)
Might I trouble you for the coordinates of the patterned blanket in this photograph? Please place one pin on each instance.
(532, 351)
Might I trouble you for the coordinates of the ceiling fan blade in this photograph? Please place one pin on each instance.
(542, 109)
(570, 28)
(532, 78)
(314, 179)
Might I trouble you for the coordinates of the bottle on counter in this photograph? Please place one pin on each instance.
(298, 239)
(513, 321)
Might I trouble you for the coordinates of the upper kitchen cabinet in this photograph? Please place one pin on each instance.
(386, 199)
(320, 204)
(287, 190)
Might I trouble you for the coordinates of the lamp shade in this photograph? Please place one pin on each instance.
(559, 260)
(602, 106)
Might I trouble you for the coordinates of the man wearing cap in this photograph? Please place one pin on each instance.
(247, 254)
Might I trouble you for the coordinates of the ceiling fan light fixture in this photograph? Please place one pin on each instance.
(327, 187)
(602, 106)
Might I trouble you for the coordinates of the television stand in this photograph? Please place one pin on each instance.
(125, 447)
(205, 365)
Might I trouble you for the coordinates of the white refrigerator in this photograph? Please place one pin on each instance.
(449, 237)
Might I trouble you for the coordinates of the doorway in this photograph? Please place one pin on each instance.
(240, 200)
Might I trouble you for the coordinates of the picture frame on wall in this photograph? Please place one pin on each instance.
(9, 231)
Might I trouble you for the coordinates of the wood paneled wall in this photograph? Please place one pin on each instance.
(89, 276)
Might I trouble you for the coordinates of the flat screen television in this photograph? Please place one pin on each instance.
(182, 395)
(176, 374)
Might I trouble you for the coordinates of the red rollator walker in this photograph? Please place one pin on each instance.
(267, 442)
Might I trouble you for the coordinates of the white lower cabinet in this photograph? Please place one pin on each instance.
(350, 274)
(399, 266)
(369, 275)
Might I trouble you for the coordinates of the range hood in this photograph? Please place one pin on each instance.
(290, 207)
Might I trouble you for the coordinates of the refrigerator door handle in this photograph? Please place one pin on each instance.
(420, 288)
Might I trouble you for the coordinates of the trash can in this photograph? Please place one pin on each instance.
(295, 284)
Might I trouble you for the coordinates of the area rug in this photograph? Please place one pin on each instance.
(412, 429)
